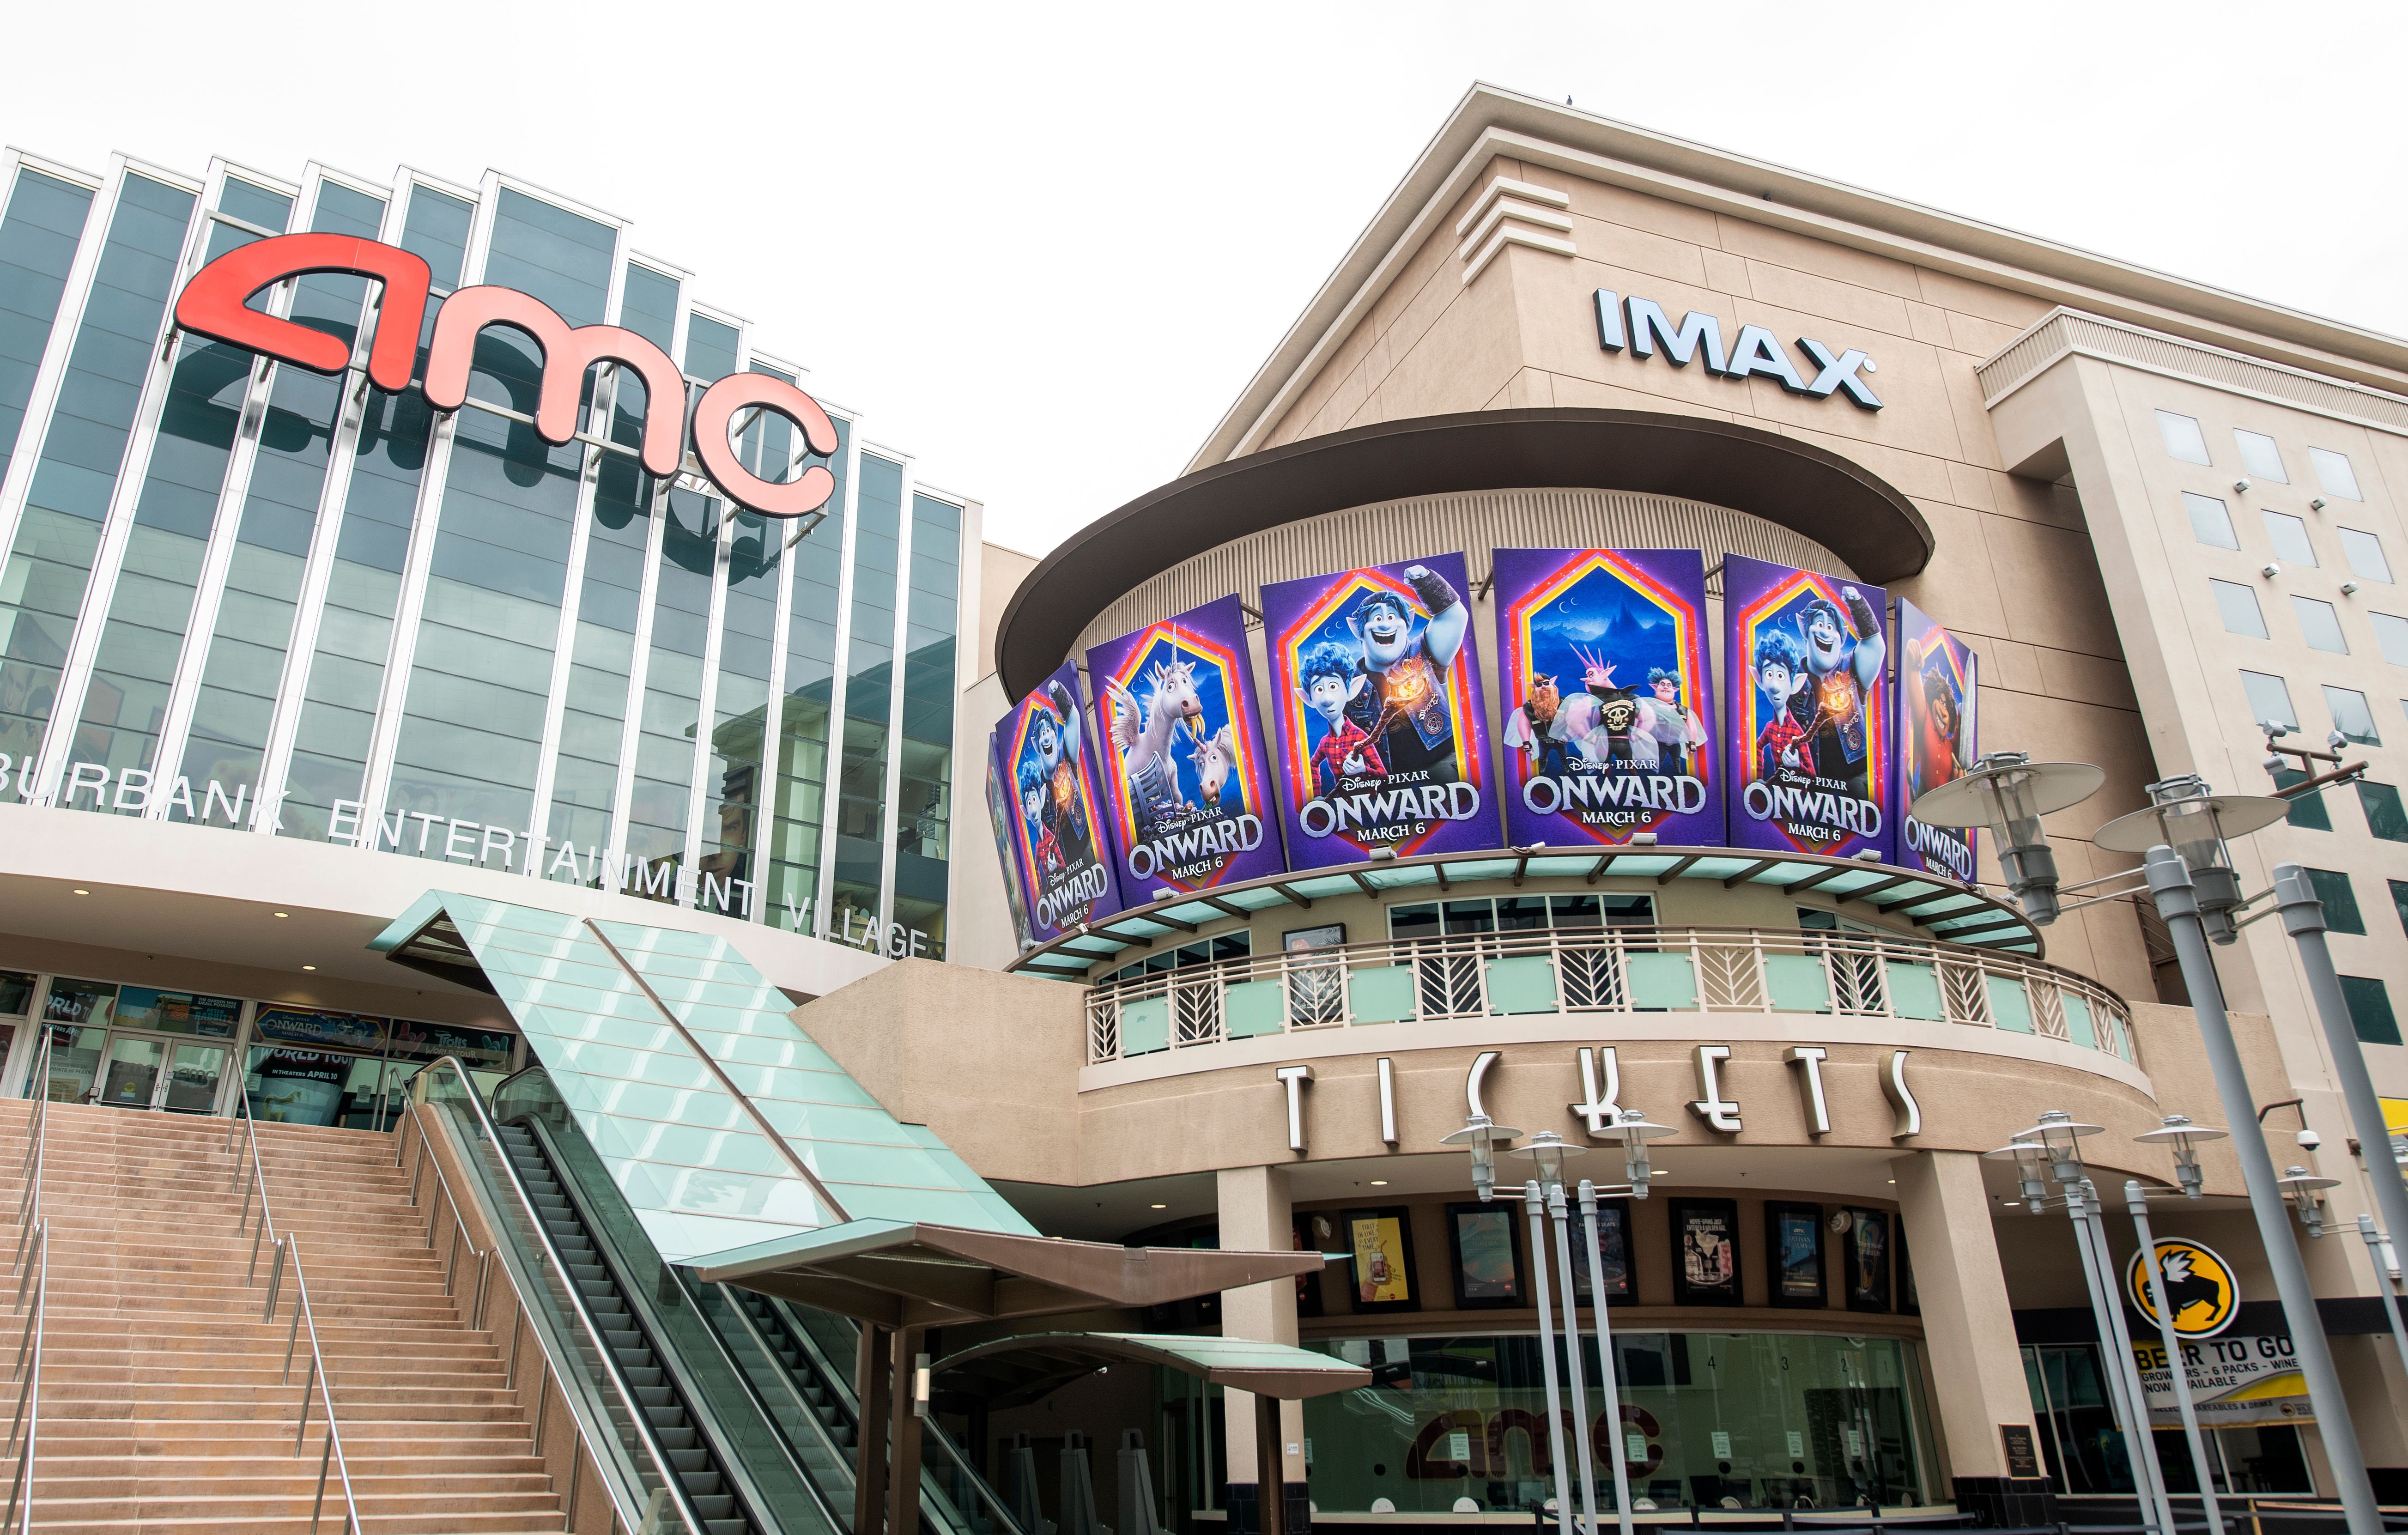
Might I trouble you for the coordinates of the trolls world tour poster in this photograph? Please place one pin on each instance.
(1186, 779)
(1936, 737)
(1608, 689)
(1808, 757)
(1380, 732)
(1059, 842)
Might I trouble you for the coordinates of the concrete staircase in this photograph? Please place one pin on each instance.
(162, 1403)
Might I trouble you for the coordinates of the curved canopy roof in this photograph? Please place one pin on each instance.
(1015, 1371)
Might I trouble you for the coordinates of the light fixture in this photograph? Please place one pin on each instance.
(2184, 1138)
(283, 913)
(2029, 1160)
(1483, 1136)
(2186, 815)
(1379, 1182)
(2303, 1188)
(1548, 1152)
(1157, 1207)
(2270, 570)
(2240, 486)
(2059, 1134)
(83, 892)
(2315, 503)
(308, 967)
(1634, 1131)
(2008, 793)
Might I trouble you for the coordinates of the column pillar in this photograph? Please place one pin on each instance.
(1255, 1215)
(873, 1387)
(1977, 1382)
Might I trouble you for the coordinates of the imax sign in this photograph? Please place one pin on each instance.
(1641, 325)
(215, 304)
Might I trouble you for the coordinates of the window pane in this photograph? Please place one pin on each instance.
(2307, 811)
(2364, 552)
(2260, 456)
(2270, 700)
(2238, 606)
(2319, 624)
(2400, 902)
(2183, 439)
(2289, 537)
(2334, 473)
(2350, 715)
(2210, 522)
(2392, 632)
(2385, 816)
(2341, 901)
(2369, 1009)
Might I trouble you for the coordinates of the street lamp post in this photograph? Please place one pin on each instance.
(1534, 1201)
(2380, 1251)
(1549, 1151)
(2184, 1137)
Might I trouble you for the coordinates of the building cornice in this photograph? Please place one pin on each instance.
(1491, 122)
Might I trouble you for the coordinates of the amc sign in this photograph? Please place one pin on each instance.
(213, 305)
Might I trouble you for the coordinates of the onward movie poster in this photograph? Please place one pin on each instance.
(1002, 813)
(1609, 687)
(1807, 752)
(1058, 839)
(1936, 737)
(1186, 779)
(1380, 732)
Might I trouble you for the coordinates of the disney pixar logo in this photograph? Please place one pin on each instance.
(213, 305)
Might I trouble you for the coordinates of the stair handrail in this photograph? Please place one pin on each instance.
(671, 1483)
(288, 1247)
(33, 1262)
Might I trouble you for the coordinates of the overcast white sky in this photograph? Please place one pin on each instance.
(1042, 247)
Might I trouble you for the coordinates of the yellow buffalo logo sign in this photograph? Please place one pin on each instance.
(2199, 1284)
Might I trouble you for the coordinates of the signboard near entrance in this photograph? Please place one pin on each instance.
(2233, 1380)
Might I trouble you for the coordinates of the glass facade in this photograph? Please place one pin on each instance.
(282, 603)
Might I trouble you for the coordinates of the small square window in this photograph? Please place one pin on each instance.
(2260, 456)
(2392, 634)
(2320, 625)
(2369, 1009)
(2238, 606)
(2307, 811)
(2364, 552)
(2350, 715)
(2183, 439)
(2289, 536)
(2270, 700)
(2334, 473)
(2211, 520)
(2341, 902)
(2385, 816)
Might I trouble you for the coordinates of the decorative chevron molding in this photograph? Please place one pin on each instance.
(1511, 212)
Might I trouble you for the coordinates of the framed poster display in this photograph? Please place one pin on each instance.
(1868, 1288)
(1793, 1246)
(1705, 1251)
(1487, 1258)
(1383, 1277)
(1808, 755)
(1613, 1246)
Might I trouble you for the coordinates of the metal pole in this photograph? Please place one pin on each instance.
(2178, 903)
(2136, 1200)
(2109, 1286)
(1560, 1217)
(2131, 1416)
(2391, 1305)
(2304, 918)
(1605, 1359)
(1531, 1202)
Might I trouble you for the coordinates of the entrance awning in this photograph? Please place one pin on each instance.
(1016, 1371)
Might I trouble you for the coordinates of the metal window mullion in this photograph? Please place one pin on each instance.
(384, 737)
(317, 572)
(841, 672)
(117, 524)
(892, 791)
(706, 703)
(50, 373)
(572, 594)
(769, 781)
(622, 795)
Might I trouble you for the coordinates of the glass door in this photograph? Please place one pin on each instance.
(130, 1076)
(190, 1084)
(75, 1064)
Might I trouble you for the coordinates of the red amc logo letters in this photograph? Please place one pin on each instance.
(213, 305)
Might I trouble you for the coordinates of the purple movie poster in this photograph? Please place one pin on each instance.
(1058, 837)
(1609, 691)
(1936, 737)
(1187, 785)
(1002, 810)
(1808, 756)
(1382, 741)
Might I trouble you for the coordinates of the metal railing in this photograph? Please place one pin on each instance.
(318, 1386)
(626, 1408)
(32, 1302)
(1608, 971)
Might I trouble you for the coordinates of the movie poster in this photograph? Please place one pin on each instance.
(1059, 840)
(1001, 810)
(1936, 737)
(1807, 743)
(1187, 784)
(1381, 736)
(1609, 691)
